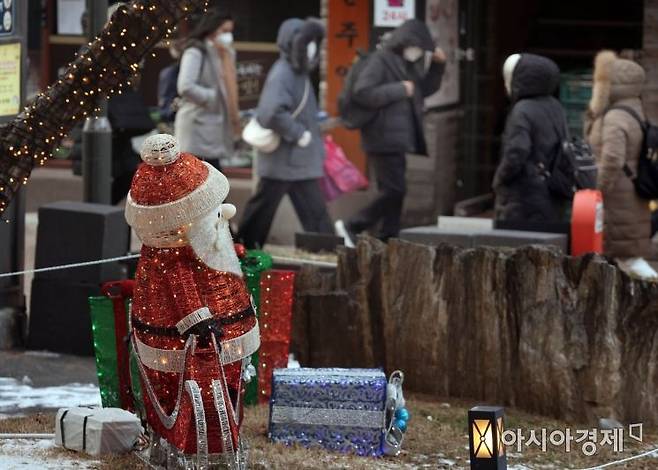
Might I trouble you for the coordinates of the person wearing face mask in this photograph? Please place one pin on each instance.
(393, 84)
(288, 106)
(207, 123)
(533, 134)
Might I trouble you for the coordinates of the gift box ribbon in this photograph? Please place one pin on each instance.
(328, 417)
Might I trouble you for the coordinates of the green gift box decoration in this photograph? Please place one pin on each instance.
(116, 364)
(254, 263)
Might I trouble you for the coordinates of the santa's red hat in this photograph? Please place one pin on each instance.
(171, 191)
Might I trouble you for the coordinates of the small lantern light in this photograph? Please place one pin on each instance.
(485, 432)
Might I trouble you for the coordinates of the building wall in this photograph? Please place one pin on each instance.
(432, 179)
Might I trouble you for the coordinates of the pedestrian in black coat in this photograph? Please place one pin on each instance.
(393, 84)
(531, 140)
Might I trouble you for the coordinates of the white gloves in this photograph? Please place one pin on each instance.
(305, 139)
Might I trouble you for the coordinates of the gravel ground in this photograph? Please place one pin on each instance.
(437, 438)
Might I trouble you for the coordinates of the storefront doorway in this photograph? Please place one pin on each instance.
(568, 32)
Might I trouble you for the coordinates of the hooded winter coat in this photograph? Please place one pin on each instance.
(532, 137)
(398, 125)
(282, 94)
(616, 138)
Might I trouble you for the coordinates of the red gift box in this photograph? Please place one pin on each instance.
(276, 297)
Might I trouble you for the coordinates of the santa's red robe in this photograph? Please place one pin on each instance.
(193, 322)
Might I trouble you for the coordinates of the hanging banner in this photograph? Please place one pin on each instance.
(392, 13)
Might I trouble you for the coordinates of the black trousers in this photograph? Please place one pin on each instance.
(390, 172)
(306, 197)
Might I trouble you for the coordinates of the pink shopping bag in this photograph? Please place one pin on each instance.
(340, 175)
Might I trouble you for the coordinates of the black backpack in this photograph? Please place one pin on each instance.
(168, 92)
(573, 166)
(646, 180)
(168, 97)
(129, 115)
(352, 114)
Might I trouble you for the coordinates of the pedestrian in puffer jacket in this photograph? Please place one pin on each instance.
(296, 166)
(616, 138)
(394, 83)
(531, 140)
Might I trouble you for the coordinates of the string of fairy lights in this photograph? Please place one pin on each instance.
(104, 69)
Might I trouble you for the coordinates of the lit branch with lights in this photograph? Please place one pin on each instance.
(112, 59)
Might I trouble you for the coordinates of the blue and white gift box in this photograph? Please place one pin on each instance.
(344, 410)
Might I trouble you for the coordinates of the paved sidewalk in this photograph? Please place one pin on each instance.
(36, 381)
(46, 369)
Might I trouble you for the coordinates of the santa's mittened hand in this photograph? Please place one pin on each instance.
(228, 211)
(305, 140)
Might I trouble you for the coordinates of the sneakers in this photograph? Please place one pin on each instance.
(345, 233)
(638, 267)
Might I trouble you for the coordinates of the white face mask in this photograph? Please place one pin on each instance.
(412, 54)
(224, 38)
(311, 50)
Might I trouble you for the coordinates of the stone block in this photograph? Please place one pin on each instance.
(59, 316)
(73, 232)
(435, 236)
(465, 223)
(518, 238)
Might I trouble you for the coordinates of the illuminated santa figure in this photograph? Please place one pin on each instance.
(194, 327)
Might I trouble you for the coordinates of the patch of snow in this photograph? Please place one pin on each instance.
(42, 354)
(27, 454)
(447, 462)
(16, 395)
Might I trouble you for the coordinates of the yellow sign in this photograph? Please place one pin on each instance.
(10, 79)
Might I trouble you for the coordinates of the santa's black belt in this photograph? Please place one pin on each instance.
(172, 331)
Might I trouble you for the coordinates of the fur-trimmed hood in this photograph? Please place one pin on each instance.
(615, 79)
(294, 36)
